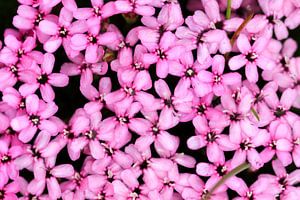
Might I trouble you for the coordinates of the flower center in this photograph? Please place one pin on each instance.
(129, 91)
(201, 109)
(251, 56)
(34, 119)
(161, 54)
(245, 145)
(38, 19)
(280, 111)
(138, 66)
(92, 39)
(5, 159)
(190, 72)
(221, 170)
(211, 136)
(135, 193)
(43, 79)
(91, 134)
(68, 134)
(123, 120)
(217, 79)
(63, 32)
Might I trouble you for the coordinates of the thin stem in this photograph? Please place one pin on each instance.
(228, 10)
(255, 114)
(232, 173)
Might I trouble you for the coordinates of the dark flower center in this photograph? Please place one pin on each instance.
(91, 134)
(217, 79)
(211, 136)
(144, 165)
(63, 32)
(168, 102)
(279, 112)
(129, 91)
(201, 109)
(35, 152)
(161, 54)
(235, 117)
(123, 120)
(92, 39)
(109, 174)
(20, 53)
(34, 119)
(190, 72)
(245, 145)
(221, 170)
(14, 70)
(5, 159)
(251, 56)
(38, 19)
(67, 133)
(219, 25)
(138, 66)
(43, 79)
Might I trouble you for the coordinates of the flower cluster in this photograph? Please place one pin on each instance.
(173, 97)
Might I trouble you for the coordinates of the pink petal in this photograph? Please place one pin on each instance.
(236, 62)
(58, 80)
(63, 171)
(48, 27)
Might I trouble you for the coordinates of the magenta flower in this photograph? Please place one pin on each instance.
(251, 56)
(43, 78)
(79, 66)
(165, 53)
(59, 30)
(217, 81)
(280, 144)
(8, 190)
(36, 117)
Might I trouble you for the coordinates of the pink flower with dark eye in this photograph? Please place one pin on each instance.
(173, 105)
(134, 91)
(251, 56)
(17, 50)
(212, 139)
(48, 175)
(116, 128)
(43, 78)
(8, 191)
(246, 149)
(28, 18)
(157, 134)
(69, 136)
(280, 108)
(36, 117)
(92, 42)
(216, 80)
(79, 66)
(128, 72)
(237, 112)
(165, 54)
(8, 153)
(280, 144)
(286, 181)
(215, 171)
(59, 30)
(124, 45)
(33, 153)
(264, 187)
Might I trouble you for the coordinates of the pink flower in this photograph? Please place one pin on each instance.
(217, 81)
(60, 29)
(280, 144)
(79, 66)
(17, 50)
(165, 54)
(8, 190)
(47, 175)
(251, 56)
(8, 153)
(36, 117)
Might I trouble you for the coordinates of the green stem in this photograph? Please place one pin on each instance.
(228, 10)
(232, 173)
(255, 114)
